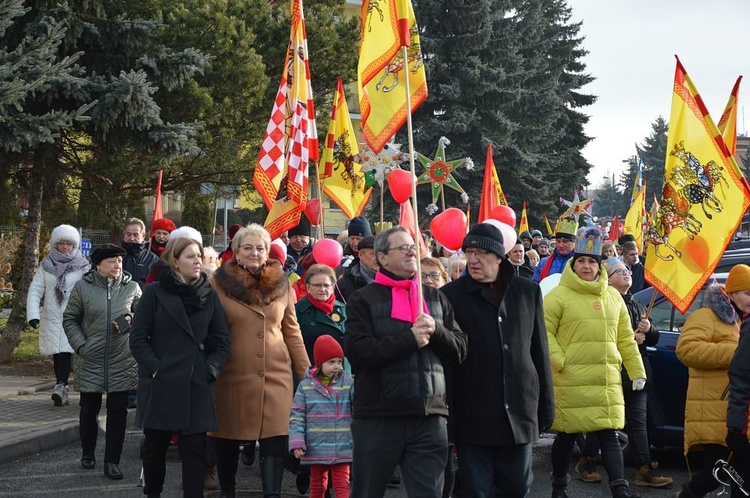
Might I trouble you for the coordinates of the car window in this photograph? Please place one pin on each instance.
(661, 315)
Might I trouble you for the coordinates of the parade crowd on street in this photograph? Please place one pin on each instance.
(342, 369)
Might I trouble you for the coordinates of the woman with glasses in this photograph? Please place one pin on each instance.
(590, 337)
(254, 392)
(319, 313)
(433, 273)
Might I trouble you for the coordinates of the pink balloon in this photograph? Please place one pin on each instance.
(328, 252)
(449, 228)
(509, 234)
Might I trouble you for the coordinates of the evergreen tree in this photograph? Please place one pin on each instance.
(653, 152)
(507, 73)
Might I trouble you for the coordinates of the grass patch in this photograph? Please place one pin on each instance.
(28, 348)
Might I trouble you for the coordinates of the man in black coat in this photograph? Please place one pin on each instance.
(139, 260)
(397, 353)
(502, 393)
(360, 272)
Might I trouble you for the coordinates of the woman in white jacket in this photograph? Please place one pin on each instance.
(57, 274)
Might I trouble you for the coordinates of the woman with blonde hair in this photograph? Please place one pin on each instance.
(254, 392)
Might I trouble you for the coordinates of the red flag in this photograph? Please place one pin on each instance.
(157, 203)
(406, 220)
(614, 229)
(492, 192)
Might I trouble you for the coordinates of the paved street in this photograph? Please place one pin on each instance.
(57, 473)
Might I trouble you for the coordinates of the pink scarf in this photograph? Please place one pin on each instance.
(404, 296)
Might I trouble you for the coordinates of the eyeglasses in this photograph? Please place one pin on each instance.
(432, 276)
(405, 248)
(320, 286)
(258, 249)
(621, 271)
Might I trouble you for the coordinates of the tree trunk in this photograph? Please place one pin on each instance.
(17, 320)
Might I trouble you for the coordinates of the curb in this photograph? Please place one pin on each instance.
(26, 390)
(51, 436)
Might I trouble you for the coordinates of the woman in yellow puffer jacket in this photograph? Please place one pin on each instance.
(590, 337)
(706, 346)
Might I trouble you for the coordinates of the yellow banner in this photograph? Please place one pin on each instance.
(702, 204)
(343, 178)
(634, 220)
(381, 69)
(523, 226)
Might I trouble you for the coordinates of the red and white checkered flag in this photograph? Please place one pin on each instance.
(291, 139)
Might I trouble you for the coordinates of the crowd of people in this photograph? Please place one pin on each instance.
(356, 370)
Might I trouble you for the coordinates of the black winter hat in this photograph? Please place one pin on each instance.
(485, 236)
(359, 226)
(106, 251)
(625, 238)
(525, 235)
(302, 229)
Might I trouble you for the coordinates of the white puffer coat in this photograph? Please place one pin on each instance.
(52, 338)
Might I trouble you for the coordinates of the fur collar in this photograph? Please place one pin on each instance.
(242, 286)
(715, 299)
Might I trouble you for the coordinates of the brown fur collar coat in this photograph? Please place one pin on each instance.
(258, 290)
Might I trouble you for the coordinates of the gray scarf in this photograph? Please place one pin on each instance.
(59, 265)
(367, 274)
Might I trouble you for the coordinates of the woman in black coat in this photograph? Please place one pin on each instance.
(181, 341)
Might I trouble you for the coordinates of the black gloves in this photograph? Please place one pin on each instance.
(737, 442)
(34, 323)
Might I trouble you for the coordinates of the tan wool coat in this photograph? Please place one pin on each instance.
(254, 391)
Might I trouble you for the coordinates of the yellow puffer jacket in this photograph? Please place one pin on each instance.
(706, 346)
(590, 336)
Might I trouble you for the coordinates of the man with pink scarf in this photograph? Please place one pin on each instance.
(398, 349)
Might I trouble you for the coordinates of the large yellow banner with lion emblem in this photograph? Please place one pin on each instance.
(702, 204)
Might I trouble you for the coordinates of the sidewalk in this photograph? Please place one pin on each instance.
(29, 422)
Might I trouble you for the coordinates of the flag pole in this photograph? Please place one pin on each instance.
(382, 187)
(321, 222)
(410, 133)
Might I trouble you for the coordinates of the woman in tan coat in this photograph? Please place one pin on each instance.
(706, 346)
(254, 393)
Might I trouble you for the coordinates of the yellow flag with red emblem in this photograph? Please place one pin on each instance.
(702, 203)
(388, 25)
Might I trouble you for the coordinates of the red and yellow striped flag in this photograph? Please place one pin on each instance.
(342, 177)
(523, 225)
(291, 138)
(702, 203)
(492, 192)
(728, 122)
(549, 233)
(387, 26)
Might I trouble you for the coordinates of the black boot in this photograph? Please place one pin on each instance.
(619, 489)
(226, 493)
(271, 473)
(560, 486)
(686, 492)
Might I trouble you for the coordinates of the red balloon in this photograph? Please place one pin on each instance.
(504, 214)
(312, 211)
(399, 182)
(328, 252)
(449, 228)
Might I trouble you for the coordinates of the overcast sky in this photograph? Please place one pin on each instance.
(631, 46)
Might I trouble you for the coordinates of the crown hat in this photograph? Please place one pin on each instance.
(566, 228)
(589, 242)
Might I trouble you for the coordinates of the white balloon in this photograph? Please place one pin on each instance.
(549, 283)
(509, 234)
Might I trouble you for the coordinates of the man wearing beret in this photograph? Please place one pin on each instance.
(502, 393)
(361, 271)
(299, 243)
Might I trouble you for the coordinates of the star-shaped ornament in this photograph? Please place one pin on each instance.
(378, 166)
(439, 171)
(576, 207)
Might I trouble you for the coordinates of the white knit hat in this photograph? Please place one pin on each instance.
(189, 232)
(65, 232)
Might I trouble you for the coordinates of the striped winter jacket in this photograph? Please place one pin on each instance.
(320, 419)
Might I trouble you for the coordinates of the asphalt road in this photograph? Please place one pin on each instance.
(58, 474)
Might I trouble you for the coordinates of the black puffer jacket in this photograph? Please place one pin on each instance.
(392, 376)
(138, 261)
(636, 310)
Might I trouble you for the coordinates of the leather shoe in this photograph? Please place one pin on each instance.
(112, 471)
(88, 463)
